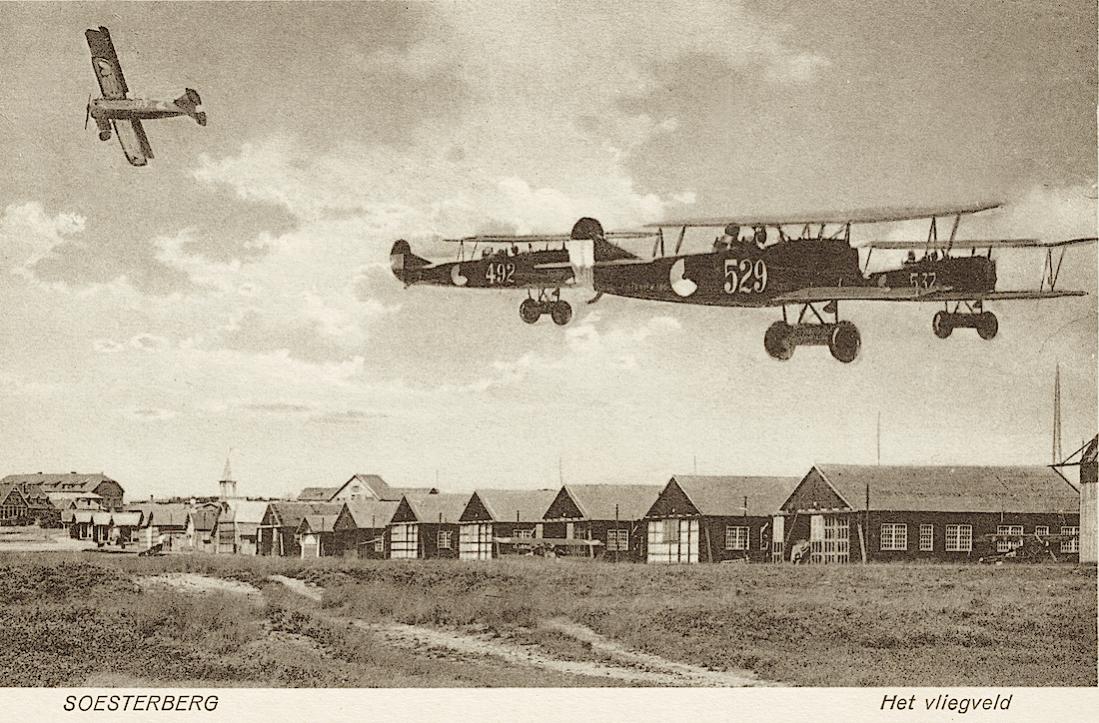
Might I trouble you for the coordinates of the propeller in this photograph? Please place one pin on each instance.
(87, 111)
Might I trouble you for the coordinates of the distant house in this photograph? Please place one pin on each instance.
(360, 528)
(78, 523)
(278, 529)
(201, 523)
(501, 522)
(317, 494)
(162, 523)
(315, 535)
(600, 520)
(952, 513)
(715, 518)
(14, 509)
(75, 500)
(426, 527)
(237, 528)
(109, 491)
(373, 487)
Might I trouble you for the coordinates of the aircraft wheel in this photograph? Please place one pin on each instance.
(844, 342)
(941, 324)
(104, 135)
(530, 311)
(987, 325)
(777, 341)
(561, 313)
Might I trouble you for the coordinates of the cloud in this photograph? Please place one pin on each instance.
(29, 233)
(150, 414)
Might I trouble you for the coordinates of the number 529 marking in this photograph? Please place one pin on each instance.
(744, 276)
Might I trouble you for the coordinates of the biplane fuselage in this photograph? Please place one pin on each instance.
(499, 270)
(131, 108)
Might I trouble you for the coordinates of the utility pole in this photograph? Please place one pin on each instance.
(1057, 453)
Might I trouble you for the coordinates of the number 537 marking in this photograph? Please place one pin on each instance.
(744, 276)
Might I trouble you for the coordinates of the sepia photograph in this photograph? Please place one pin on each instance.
(513, 345)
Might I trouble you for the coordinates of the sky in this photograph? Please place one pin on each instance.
(236, 294)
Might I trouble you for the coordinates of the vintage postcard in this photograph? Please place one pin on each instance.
(747, 348)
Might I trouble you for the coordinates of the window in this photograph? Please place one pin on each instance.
(379, 544)
(1008, 544)
(618, 540)
(894, 536)
(445, 539)
(927, 538)
(736, 538)
(1041, 530)
(524, 534)
(959, 538)
(1072, 545)
(671, 531)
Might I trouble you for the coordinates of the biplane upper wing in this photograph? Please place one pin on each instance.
(543, 238)
(1003, 243)
(134, 142)
(105, 64)
(866, 215)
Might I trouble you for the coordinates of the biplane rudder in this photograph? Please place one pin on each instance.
(402, 261)
(189, 103)
(589, 229)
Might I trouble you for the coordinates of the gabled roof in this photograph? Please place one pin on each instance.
(374, 483)
(400, 492)
(126, 519)
(161, 514)
(245, 512)
(10, 488)
(951, 488)
(509, 505)
(204, 518)
(608, 502)
(290, 514)
(438, 507)
(370, 514)
(68, 482)
(725, 496)
(316, 523)
(317, 494)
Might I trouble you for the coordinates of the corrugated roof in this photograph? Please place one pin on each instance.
(598, 502)
(368, 514)
(67, 482)
(317, 494)
(438, 507)
(952, 488)
(723, 496)
(506, 505)
(290, 514)
(317, 523)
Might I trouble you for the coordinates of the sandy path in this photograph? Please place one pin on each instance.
(200, 584)
(636, 667)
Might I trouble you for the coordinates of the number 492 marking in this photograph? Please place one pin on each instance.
(499, 273)
(744, 276)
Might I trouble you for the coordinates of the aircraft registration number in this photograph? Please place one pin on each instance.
(500, 273)
(922, 279)
(744, 276)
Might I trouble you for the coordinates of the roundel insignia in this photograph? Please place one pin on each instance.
(104, 67)
(681, 285)
(456, 276)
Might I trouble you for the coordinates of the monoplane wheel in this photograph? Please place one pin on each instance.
(777, 341)
(561, 313)
(530, 311)
(844, 342)
(987, 325)
(941, 325)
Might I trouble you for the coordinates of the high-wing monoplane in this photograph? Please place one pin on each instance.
(124, 115)
(547, 264)
(817, 265)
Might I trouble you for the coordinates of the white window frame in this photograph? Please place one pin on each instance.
(1009, 545)
(618, 539)
(1041, 530)
(927, 538)
(954, 543)
(741, 537)
(444, 540)
(524, 534)
(1070, 545)
(893, 536)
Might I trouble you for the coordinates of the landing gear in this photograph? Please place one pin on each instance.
(531, 309)
(104, 135)
(975, 317)
(841, 337)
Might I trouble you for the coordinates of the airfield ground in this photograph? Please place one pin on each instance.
(83, 618)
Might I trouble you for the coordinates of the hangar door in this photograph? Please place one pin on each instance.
(475, 541)
(829, 539)
(404, 541)
(673, 540)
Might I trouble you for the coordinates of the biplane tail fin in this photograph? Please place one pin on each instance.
(189, 103)
(402, 260)
(589, 229)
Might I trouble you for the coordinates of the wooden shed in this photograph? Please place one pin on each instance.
(502, 522)
(425, 527)
(360, 528)
(605, 520)
(845, 513)
(278, 531)
(315, 535)
(715, 518)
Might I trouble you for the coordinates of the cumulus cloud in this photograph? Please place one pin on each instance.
(29, 233)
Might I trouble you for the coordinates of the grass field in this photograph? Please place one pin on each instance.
(86, 619)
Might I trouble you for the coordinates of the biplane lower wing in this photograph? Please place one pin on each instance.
(820, 294)
(1003, 243)
(134, 142)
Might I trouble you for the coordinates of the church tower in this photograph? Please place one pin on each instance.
(227, 487)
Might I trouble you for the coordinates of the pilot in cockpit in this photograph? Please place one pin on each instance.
(759, 236)
(728, 238)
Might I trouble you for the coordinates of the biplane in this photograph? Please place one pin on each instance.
(115, 112)
(804, 261)
(547, 264)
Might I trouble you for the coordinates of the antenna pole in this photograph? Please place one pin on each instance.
(1057, 452)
